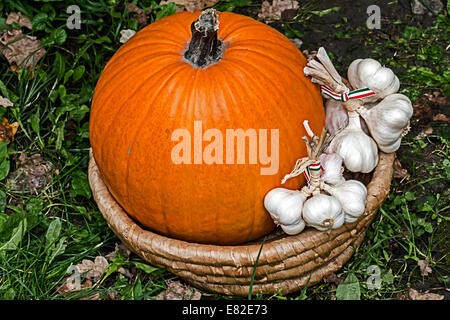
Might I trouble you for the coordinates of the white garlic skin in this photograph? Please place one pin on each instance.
(369, 73)
(285, 208)
(387, 120)
(352, 195)
(323, 212)
(293, 229)
(332, 168)
(336, 116)
(357, 149)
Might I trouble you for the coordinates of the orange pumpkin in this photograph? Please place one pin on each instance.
(250, 77)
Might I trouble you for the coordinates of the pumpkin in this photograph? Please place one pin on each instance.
(186, 72)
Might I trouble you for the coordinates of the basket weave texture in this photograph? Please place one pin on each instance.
(286, 262)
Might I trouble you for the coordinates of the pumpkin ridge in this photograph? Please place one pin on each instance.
(139, 127)
(296, 74)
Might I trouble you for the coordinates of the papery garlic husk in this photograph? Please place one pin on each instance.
(352, 195)
(387, 120)
(369, 73)
(285, 208)
(332, 168)
(323, 212)
(357, 149)
(336, 117)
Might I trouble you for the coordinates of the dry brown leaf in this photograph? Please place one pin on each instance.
(92, 270)
(8, 130)
(21, 50)
(424, 266)
(441, 118)
(5, 102)
(118, 248)
(297, 42)
(69, 288)
(20, 19)
(32, 174)
(399, 172)
(192, 5)
(416, 295)
(271, 12)
(309, 55)
(141, 16)
(179, 291)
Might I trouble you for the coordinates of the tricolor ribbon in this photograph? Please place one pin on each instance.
(355, 94)
(314, 167)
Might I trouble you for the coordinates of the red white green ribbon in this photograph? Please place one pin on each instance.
(314, 167)
(355, 94)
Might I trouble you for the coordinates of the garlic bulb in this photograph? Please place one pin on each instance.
(352, 196)
(387, 120)
(336, 117)
(332, 168)
(369, 73)
(285, 208)
(323, 212)
(358, 150)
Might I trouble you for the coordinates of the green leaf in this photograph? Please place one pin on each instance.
(59, 36)
(3, 150)
(57, 249)
(166, 10)
(349, 289)
(321, 13)
(10, 294)
(53, 232)
(35, 123)
(144, 267)
(78, 73)
(80, 184)
(3, 219)
(4, 169)
(388, 278)
(137, 290)
(59, 66)
(39, 21)
(16, 237)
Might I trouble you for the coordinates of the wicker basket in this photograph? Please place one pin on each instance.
(286, 262)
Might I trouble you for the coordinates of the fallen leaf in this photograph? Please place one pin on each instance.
(399, 172)
(179, 291)
(5, 102)
(192, 5)
(126, 35)
(141, 16)
(20, 19)
(92, 270)
(424, 266)
(416, 295)
(441, 118)
(70, 288)
(271, 12)
(425, 133)
(8, 130)
(118, 248)
(21, 50)
(32, 174)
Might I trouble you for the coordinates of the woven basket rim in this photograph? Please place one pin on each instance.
(285, 261)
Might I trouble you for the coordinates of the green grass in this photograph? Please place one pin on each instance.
(44, 233)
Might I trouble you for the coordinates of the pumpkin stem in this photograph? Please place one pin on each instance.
(204, 48)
